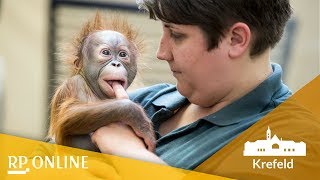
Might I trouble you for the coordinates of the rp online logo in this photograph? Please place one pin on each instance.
(274, 147)
(23, 164)
(16, 164)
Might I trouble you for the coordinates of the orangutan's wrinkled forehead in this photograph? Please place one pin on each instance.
(108, 37)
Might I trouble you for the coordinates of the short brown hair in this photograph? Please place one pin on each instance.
(265, 18)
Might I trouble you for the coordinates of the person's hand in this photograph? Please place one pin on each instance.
(119, 139)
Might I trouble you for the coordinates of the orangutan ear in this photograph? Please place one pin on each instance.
(239, 39)
(77, 65)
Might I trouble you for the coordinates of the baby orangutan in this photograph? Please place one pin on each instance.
(103, 61)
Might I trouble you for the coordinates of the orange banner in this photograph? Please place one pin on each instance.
(22, 158)
(285, 144)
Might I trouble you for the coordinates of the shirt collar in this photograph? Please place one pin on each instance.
(172, 100)
(250, 104)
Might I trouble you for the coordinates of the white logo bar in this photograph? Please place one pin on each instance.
(19, 171)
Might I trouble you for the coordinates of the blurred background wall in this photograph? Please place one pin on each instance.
(24, 49)
(31, 33)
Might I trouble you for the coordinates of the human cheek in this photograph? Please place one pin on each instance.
(186, 55)
(186, 83)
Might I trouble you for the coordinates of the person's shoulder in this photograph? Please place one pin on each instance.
(279, 91)
(147, 93)
(281, 95)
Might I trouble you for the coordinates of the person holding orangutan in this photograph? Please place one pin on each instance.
(219, 52)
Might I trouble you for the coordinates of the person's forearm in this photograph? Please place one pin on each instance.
(119, 139)
(150, 157)
(143, 155)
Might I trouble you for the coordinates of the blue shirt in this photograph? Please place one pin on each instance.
(188, 146)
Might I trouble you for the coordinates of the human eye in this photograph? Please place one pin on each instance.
(176, 36)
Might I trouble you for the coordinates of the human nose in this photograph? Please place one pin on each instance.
(164, 49)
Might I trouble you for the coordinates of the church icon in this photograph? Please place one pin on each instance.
(274, 147)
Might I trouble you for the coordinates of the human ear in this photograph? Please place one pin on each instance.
(239, 36)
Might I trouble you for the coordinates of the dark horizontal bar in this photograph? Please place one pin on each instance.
(111, 5)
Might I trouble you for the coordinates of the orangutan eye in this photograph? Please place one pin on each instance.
(106, 52)
(123, 54)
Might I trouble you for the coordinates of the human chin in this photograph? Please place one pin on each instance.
(184, 89)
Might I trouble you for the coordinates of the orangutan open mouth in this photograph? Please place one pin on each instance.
(121, 82)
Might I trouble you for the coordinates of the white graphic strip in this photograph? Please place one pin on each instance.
(18, 171)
